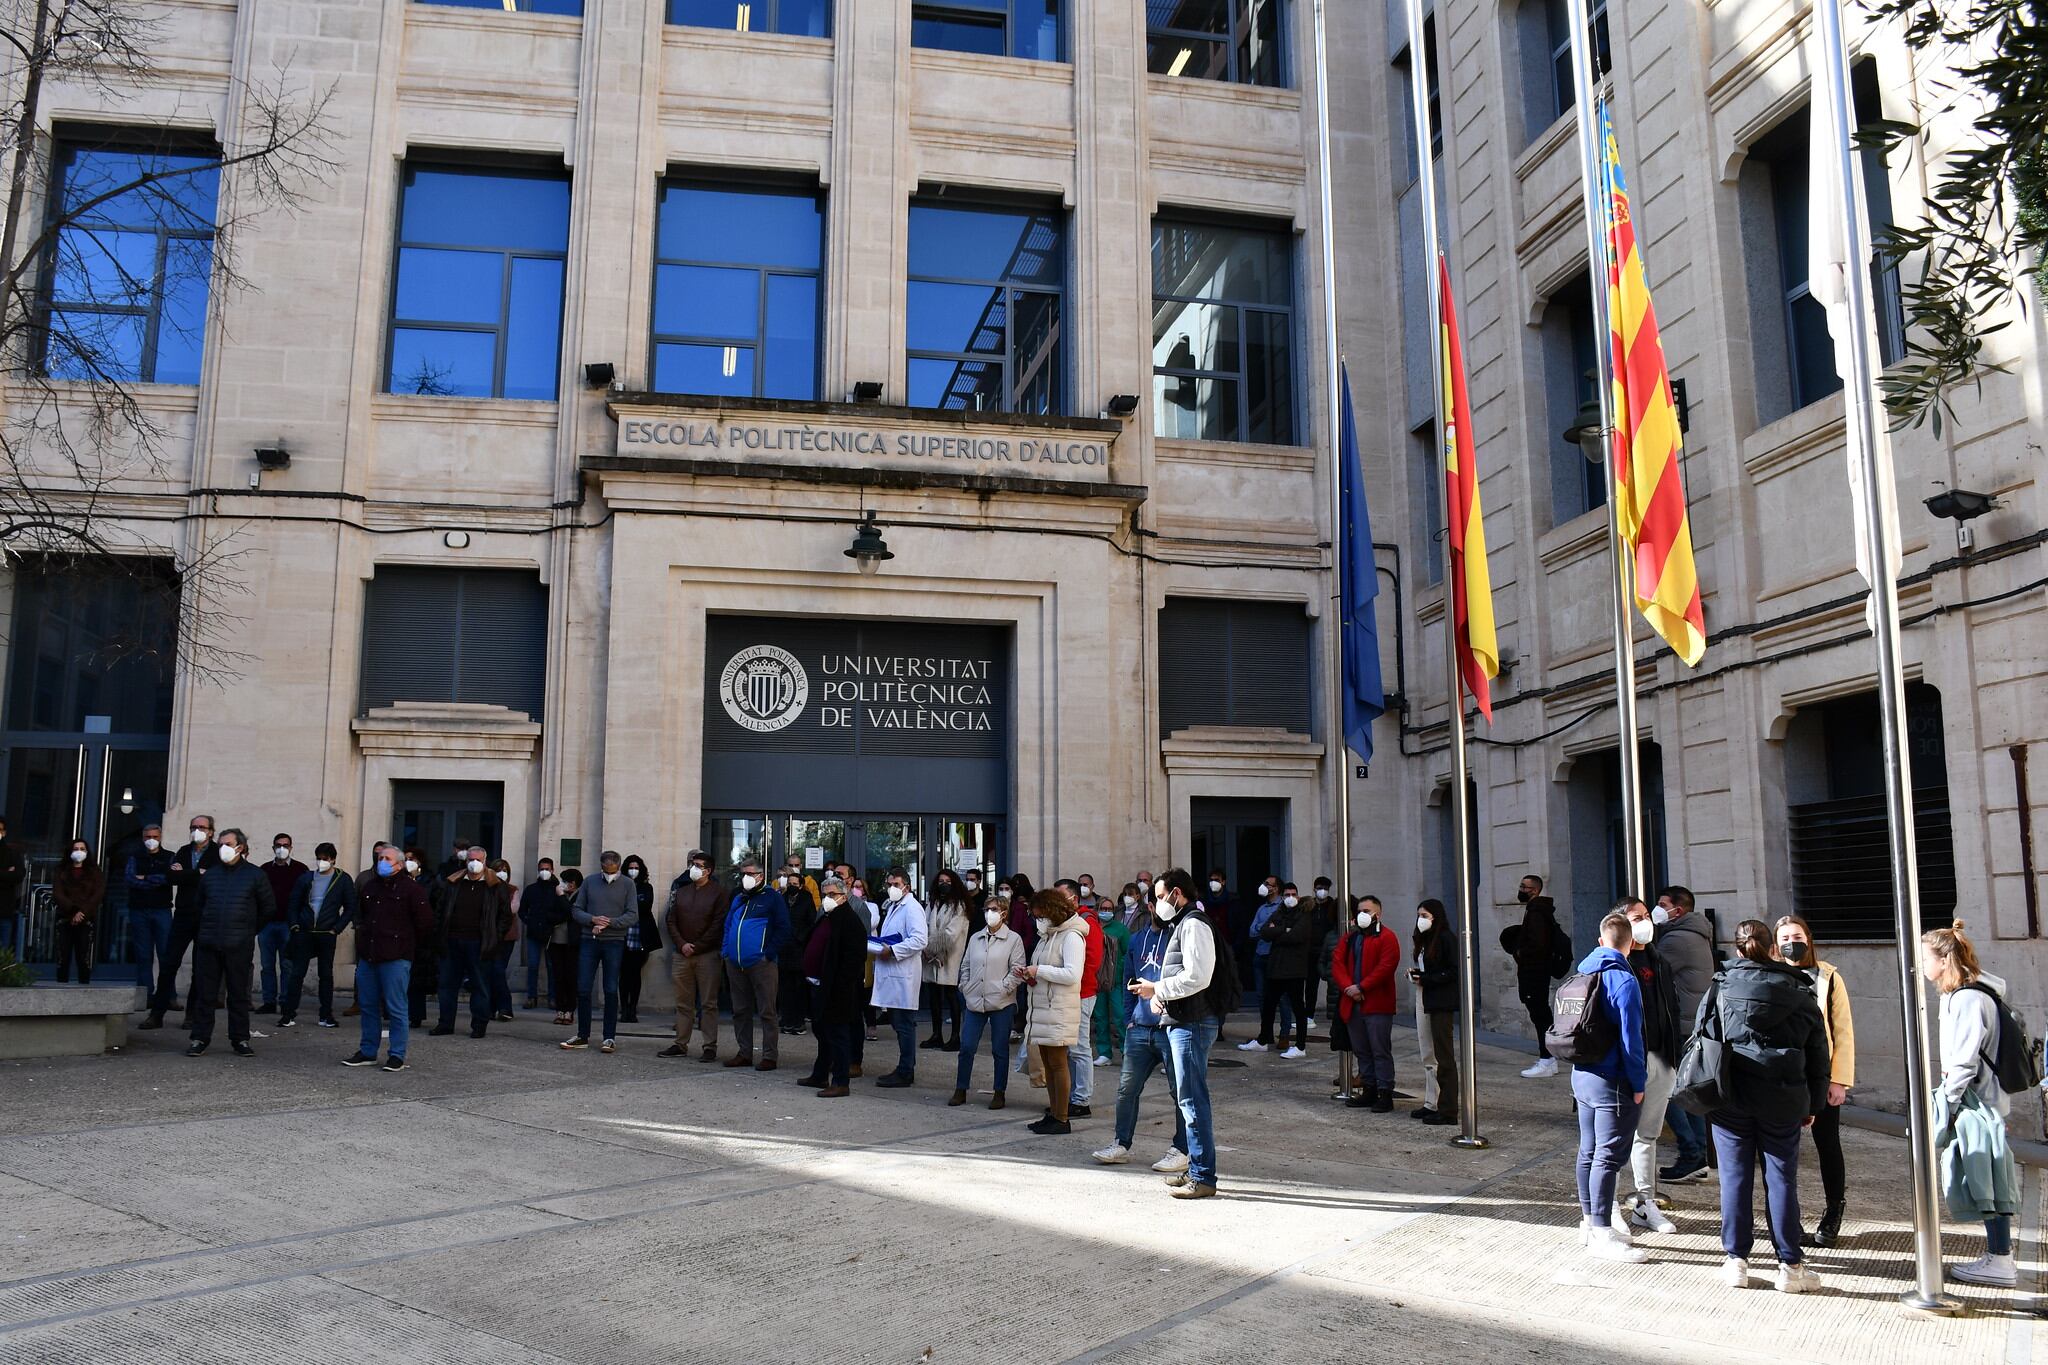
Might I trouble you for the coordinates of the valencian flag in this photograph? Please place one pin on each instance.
(1365, 698)
(1471, 585)
(1649, 489)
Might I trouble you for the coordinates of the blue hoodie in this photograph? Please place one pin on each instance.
(1147, 953)
(1624, 996)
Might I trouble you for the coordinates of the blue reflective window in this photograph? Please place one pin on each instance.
(532, 6)
(807, 18)
(736, 292)
(1001, 28)
(476, 307)
(986, 295)
(1222, 333)
(1218, 40)
(129, 265)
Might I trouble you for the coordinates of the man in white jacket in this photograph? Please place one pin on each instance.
(898, 950)
(1184, 995)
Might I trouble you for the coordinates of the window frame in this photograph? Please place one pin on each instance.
(1011, 290)
(773, 26)
(1563, 89)
(759, 342)
(1233, 28)
(507, 7)
(1001, 14)
(1289, 312)
(392, 321)
(67, 143)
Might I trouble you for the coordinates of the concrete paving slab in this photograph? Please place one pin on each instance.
(44, 1230)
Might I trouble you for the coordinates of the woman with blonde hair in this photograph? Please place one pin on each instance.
(1796, 949)
(1054, 977)
(1972, 1010)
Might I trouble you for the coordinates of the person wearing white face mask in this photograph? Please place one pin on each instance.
(695, 925)
(478, 906)
(1362, 974)
(898, 950)
(756, 927)
(147, 875)
(1112, 1003)
(322, 904)
(1665, 1030)
(189, 867)
(1435, 977)
(1686, 939)
(605, 906)
(837, 960)
(1284, 940)
(643, 940)
(990, 964)
(534, 907)
(77, 889)
(236, 905)
(273, 941)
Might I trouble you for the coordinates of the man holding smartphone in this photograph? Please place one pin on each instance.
(1194, 987)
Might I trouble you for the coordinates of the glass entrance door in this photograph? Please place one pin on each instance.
(871, 844)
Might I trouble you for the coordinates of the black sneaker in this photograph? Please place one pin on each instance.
(1050, 1127)
(198, 1048)
(242, 1048)
(267, 1007)
(576, 1044)
(329, 1023)
(155, 1021)
(358, 1058)
(1684, 1171)
(1425, 1113)
(393, 1063)
(1078, 1111)
(672, 1050)
(440, 1030)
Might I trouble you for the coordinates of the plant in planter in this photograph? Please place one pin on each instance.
(13, 972)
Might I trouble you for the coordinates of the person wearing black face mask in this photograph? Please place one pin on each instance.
(1796, 949)
(1541, 952)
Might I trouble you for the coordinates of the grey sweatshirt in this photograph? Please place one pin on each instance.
(615, 899)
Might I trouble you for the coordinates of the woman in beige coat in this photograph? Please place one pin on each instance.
(1055, 980)
(1796, 948)
(991, 967)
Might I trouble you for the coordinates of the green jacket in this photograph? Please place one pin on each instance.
(1116, 950)
(1978, 1177)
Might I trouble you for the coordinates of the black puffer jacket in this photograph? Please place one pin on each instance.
(1288, 931)
(238, 903)
(1777, 1043)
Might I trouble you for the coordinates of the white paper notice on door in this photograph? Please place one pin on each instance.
(968, 860)
(814, 858)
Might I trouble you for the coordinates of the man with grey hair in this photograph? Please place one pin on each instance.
(835, 961)
(478, 908)
(604, 908)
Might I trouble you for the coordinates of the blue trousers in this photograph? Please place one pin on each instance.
(271, 941)
(1607, 1127)
(997, 1023)
(1691, 1131)
(383, 992)
(1145, 1048)
(1738, 1143)
(905, 1024)
(462, 962)
(149, 935)
(592, 953)
(536, 952)
(1189, 1045)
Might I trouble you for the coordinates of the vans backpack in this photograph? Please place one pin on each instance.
(2015, 1059)
(1583, 1030)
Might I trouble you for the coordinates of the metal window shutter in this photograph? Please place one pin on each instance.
(1192, 685)
(502, 645)
(1269, 663)
(469, 635)
(406, 621)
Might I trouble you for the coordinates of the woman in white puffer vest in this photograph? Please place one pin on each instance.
(1055, 979)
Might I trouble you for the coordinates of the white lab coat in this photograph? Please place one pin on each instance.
(899, 968)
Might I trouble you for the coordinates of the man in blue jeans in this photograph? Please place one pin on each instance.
(147, 875)
(605, 907)
(1609, 1090)
(1191, 986)
(1145, 1048)
(392, 921)
(273, 940)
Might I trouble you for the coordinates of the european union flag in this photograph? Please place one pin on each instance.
(1365, 699)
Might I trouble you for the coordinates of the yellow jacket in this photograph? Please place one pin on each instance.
(1833, 993)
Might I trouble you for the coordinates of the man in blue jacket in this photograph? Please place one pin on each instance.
(1610, 1091)
(756, 927)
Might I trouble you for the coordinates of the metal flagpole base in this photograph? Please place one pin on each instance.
(1474, 1143)
(1940, 1306)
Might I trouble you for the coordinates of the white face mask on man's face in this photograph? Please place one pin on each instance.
(994, 918)
(283, 853)
(895, 894)
(1365, 919)
(1290, 901)
(749, 882)
(152, 844)
(696, 873)
(200, 836)
(412, 865)
(323, 865)
(1642, 931)
(229, 853)
(475, 866)
(1215, 886)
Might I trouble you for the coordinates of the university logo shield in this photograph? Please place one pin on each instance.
(763, 688)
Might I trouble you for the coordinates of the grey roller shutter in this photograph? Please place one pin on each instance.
(1234, 664)
(455, 635)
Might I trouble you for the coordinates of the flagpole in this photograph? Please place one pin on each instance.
(1592, 178)
(1461, 805)
(1334, 745)
(1881, 550)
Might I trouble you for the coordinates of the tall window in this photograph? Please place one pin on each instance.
(455, 635)
(808, 18)
(127, 277)
(1557, 29)
(987, 308)
(529, 6)
(1217, 40)
(1222, 333)
(1426, 475)
(476, 309)
(1254, 664)
(1570, 382)
(1000, 28)
(736, 290)
(1794, 354)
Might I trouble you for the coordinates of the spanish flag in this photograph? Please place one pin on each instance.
(1471, 587)
(1649, 489)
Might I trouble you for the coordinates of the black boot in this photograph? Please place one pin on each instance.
(1828, 1231)
(1364, 1099)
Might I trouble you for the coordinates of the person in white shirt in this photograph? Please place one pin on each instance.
(898, 949)
(1192, 993)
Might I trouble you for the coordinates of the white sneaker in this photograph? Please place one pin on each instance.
(1103, 1060)
(1617, 1223)
(1293, 1054)
(1585, 1232)
(1116, 1154)
(1735, 1273)
(1545, 1066)
(1797, 1279)
(1253, 1045)
(1647, 1217)
(1603, 1245)
(1174, 1162)
(1997, 1271)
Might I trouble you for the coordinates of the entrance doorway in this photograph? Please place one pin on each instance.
(1244, 836)
(872, 844)
(431, 816)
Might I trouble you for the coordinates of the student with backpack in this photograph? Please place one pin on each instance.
(1598, 1028)
(1985, 1058)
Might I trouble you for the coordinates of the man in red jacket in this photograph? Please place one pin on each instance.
(1081, 1055)
(1362, 970)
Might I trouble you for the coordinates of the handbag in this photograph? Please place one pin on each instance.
(1701, 1086)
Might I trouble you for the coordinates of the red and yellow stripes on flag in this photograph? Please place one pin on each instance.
(1471, 586)
(1649, 488)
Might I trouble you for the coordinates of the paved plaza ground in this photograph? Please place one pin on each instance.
(507, 1202)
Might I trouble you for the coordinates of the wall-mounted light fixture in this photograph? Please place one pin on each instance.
(600, 373)
(274, 457)
(867, 391)
(1962, 506)
(1589, 431)
(455, 540)
(868, 549)
(1121, 405)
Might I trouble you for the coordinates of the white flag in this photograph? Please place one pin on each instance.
(1828, 206)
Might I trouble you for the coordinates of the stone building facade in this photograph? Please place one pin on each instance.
(603, 596)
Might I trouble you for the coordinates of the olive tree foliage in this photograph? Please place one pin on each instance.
(116, 240)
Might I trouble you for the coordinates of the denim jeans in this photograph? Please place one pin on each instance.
(383, 991)
(1607, 1121)
(1145, 1048)
(905, 1024)
(1081, 1058)
(1738, 1142)
(1190, 1044)
(271, 941)
(149, 934)
(997, 1022)
(1691, 1131)
(495, 967)
(536, 953)
(462, 962)
(610, 952)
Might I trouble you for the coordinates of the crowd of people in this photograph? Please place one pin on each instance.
(1737, 1057)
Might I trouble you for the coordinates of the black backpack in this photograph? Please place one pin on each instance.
(1583, 1030)
(2015, 1059)
(1225, 991)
